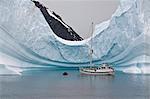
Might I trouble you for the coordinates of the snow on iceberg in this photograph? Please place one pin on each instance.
(27, 41)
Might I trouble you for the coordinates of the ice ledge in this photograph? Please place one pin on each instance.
(138, 70)
(9, 70)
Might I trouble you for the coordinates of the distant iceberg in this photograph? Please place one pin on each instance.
(27, 42)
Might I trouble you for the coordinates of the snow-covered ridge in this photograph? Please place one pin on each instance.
(27, 42)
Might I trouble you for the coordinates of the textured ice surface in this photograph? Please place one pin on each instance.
(27, 42)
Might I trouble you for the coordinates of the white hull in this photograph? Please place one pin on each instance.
(96, 73)
(103, 70)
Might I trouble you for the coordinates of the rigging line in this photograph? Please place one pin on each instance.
(90, 45)
(91, 50)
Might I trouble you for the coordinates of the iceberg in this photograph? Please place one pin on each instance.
(27, 42)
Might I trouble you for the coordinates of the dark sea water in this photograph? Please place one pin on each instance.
(53, 85)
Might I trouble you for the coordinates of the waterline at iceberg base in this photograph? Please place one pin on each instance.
(27, 42)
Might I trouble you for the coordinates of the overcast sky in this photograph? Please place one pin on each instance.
(79, 14)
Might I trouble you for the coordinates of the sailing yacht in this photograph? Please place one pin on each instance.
(103, 69)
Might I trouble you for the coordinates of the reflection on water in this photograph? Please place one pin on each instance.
(53, 85)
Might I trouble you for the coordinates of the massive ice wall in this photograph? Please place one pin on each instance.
(27, 42)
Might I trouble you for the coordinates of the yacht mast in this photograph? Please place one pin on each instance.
(91, 50)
